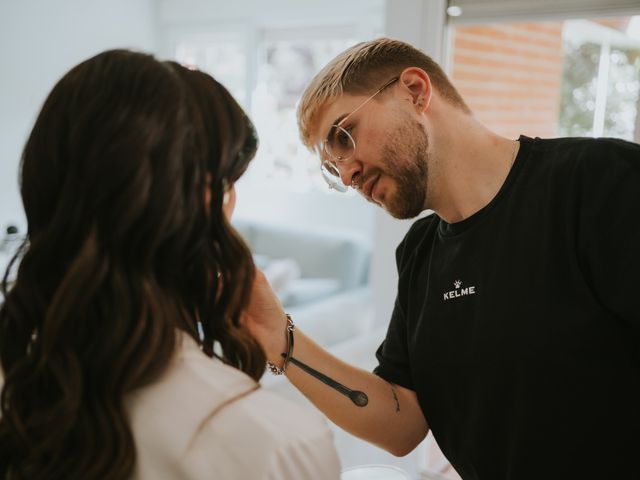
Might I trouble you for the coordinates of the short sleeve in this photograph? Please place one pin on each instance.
(393, 354)
(609, 234)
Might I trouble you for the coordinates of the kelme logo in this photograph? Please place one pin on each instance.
(458, 291)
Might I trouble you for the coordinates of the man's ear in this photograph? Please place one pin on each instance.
(417, 84)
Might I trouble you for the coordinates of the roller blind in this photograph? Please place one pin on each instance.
(473, 11)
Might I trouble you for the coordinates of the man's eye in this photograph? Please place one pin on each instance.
(343, 138)
(346, 136)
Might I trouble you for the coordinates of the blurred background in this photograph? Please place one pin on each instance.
(546, 68)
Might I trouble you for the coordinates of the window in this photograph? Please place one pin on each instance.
(601, 74)
(287, 61)
(222, 55)
(265, 57)
(284, 62)
(558, 78)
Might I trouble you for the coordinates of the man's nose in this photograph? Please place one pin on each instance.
(350, 172)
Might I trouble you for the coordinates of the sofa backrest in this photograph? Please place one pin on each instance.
(319, 254)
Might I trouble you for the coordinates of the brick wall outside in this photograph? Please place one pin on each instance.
(510, 75)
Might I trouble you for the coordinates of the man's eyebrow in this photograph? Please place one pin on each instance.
(340, 118)
(336, 122)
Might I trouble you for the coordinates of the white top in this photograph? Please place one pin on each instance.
(203, 419)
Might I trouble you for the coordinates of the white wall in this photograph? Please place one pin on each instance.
(39, 41)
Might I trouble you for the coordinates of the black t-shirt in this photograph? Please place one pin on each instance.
(519, 327)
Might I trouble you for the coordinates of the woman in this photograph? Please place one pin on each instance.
(121, 343)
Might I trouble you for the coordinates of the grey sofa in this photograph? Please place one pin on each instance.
(314, 264)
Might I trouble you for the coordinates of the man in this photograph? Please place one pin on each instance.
(515, 335)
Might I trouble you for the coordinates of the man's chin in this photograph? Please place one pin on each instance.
(394, 208)
(401, 212)
(400, 215)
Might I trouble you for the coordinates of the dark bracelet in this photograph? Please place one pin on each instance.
(275, 370)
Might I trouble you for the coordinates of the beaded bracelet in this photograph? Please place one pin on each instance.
(275, 370)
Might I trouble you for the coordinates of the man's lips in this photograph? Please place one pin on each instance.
(367, 188)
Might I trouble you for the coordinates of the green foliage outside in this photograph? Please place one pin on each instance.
(579, 87)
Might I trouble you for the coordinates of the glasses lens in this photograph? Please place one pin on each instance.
(340, 144)
(331, 175)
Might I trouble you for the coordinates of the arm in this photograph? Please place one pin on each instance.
(609, 229)
(391, 419)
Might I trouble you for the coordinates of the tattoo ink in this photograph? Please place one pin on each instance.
(356, 396)
(393, 390)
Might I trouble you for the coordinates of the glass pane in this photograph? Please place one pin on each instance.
(621, 112)
(578, 96)
(567, 78)
(222, 56)
(285, 68)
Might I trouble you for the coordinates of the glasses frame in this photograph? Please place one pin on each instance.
(329, 168)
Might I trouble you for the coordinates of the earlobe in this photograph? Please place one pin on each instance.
(418, 84)
(420, 105)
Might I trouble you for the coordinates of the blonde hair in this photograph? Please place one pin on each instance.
(363, 68)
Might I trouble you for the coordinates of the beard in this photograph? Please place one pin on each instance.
(405, 161)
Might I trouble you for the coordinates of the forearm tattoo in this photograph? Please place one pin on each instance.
(356, 396)
(395, 396)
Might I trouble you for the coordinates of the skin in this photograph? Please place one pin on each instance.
(229, 202)
(414, 151)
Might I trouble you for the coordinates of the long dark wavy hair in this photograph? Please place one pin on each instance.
(122, 253)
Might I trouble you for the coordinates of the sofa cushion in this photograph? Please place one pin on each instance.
(336, 318)
(282, 274)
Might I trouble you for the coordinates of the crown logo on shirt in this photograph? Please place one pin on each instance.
(457, 284)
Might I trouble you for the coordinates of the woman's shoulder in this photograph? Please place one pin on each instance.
(205, 416)
(267, 436)
(192, 377)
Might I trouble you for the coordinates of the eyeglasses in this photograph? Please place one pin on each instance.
(339, 147)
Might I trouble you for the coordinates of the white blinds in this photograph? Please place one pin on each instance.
(473, 11)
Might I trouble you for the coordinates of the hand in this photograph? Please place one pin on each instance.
(265, 318)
